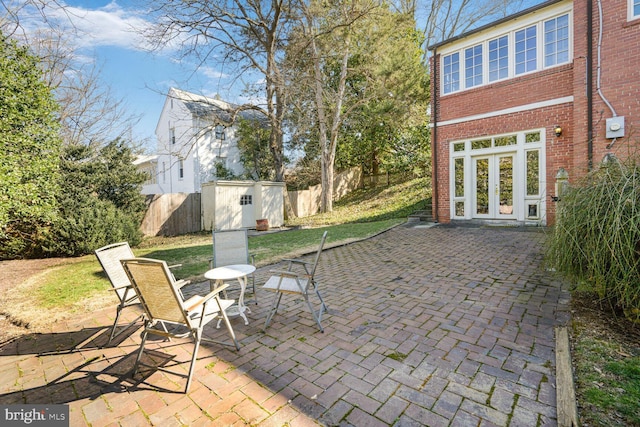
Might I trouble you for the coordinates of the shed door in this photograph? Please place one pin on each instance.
(235, 209)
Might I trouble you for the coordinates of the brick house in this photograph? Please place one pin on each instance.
(530, 102)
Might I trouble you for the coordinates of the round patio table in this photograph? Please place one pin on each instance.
(218, 275)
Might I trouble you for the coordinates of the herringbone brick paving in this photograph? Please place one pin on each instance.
(440, 326)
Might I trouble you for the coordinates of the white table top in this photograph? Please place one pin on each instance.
(229, 272)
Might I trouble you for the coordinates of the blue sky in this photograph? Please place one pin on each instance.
(139, 78)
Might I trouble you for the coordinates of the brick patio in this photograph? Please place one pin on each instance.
(437, 326)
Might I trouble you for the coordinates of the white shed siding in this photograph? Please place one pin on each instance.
(271, 203)
(230, 205)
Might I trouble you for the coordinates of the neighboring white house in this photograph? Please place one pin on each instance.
(194, 138)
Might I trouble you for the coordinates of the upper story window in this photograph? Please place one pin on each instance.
(499, 58)
(180, 168)
(451, 73)
(172, 136)
(473, 66)
(526, 50)
(535, 47)
(634, 9)
(220, 134)
(556, 41)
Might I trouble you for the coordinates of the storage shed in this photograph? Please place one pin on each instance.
(231, 205)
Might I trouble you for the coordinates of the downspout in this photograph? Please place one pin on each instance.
(598, 68)
(590, 84)
(434, 134)
(600, 25)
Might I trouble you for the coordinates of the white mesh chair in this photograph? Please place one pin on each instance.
(232, 247)
(297, 283)
(163, 304)
(109, 257)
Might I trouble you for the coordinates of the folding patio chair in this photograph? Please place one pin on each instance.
(232, 247)
(109, 257)
(163, 304)
(289, 282)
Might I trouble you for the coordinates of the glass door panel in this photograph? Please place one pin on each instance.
(482, 186)
(505, 185)
(494, 186)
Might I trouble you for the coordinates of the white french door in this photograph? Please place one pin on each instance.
(493, 186)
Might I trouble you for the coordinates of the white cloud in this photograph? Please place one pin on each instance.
(110, 25)
(212, 73)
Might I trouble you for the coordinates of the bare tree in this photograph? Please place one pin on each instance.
(246, 35)
(342, 56)
(88, 111)
(443, 19)
(448, 18)
(334, 24)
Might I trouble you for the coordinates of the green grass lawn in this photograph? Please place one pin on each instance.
(362, 214)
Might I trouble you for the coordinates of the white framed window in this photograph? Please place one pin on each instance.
(220, 133)
(556, 41)
(180, 168)
(634, 9)
(526, 50)
(451, 73)
(150, 173)
(473, 66)
(519, 50)
(172, 136)
(499, 58)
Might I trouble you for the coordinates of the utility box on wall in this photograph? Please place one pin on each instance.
(232, 205)
(615, 127)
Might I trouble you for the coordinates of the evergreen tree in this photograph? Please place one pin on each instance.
(100, 202)
(29, 153)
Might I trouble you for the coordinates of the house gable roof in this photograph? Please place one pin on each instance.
(203, 106)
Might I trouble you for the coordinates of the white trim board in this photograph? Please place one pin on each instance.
(512, 110)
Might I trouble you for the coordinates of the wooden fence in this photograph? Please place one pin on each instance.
(307, 202)
(172, 214)
(179, 213)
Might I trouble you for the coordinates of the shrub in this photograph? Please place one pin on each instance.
(596, 239)
(100, 203)
(89, 223)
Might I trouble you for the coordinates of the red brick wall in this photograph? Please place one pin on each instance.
(620, 77)
(559, 150)
(620, 83)
(542, 86)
